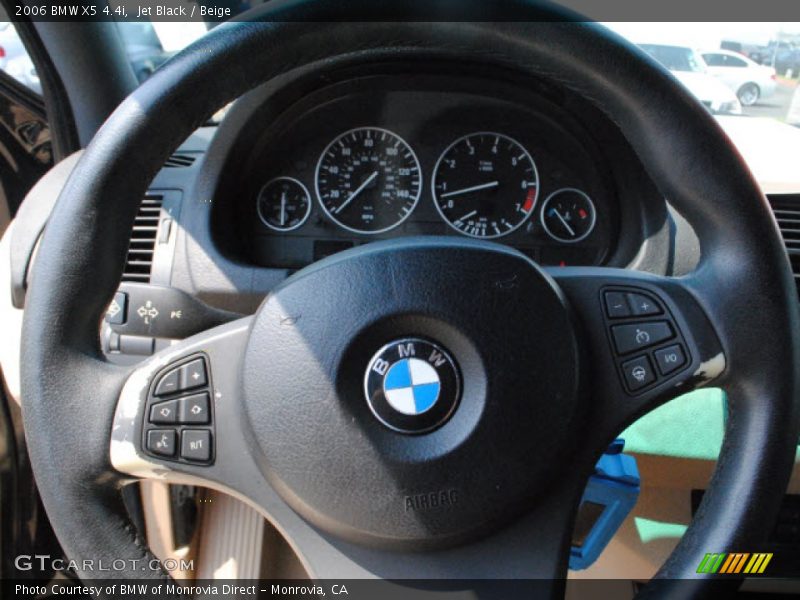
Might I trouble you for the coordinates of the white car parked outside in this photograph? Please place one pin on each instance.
(747, 78)
(14, 59)
(688, 67)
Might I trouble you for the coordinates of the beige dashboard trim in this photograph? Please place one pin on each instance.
(11, 318)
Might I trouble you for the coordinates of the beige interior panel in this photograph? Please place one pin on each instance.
(158, 527)
(231, 540)
(665, 497)
(11, 319)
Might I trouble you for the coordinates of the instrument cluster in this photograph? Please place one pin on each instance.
(363, 163)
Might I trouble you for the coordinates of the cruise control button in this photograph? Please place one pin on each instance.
(629, 338)
(194, 409)
(196, 444)
(193, 374)
(638, 373)
(643, 306)
(161, 441)
(670, 359)
(164, 412)
(617, 305)
(136, 345)
(169, 383)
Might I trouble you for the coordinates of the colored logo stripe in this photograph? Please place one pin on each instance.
(758, 563)
(710, 563)
(734, 562)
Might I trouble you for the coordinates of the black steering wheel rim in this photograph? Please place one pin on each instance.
(82, 253)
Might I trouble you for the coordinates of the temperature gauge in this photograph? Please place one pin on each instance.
(568, 215)
(283, 204)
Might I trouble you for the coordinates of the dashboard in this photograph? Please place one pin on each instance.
(382, 156)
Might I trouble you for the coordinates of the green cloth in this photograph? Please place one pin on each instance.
(650, 530)
(690, 426)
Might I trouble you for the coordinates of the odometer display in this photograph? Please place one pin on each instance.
(485, 185)
(368, 180)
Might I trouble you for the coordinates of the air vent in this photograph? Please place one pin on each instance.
(143, 240)
(787, 212)
(178, 161)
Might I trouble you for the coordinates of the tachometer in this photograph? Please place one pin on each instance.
(485, 185)
(368, 180)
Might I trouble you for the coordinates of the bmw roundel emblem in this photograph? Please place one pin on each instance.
(412, 385)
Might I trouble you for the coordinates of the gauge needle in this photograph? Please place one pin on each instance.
(564, 223)
(357, 191)
(283, 209)
(474, 188)
(467, 216)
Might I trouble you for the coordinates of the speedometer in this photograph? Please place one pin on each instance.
(485, 185)
(368, 180)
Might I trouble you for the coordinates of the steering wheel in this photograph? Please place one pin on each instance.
(535, 374)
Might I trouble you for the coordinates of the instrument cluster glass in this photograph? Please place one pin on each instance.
(485, 185)
(568, 215)
(351, 164)
(283, 204)
(368, 180)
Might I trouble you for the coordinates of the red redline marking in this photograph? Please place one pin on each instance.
(529, 200)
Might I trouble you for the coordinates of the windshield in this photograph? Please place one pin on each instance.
(703, 57)
(676, 58)
(756, 101)
(764, 86)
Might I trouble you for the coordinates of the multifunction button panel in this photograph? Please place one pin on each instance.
(179, 422)
(646, 342)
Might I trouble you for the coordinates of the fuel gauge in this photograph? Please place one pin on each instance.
(568, 215)
(283, 204)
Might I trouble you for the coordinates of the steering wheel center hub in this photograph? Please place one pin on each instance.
(413, 391)
(412, 385)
